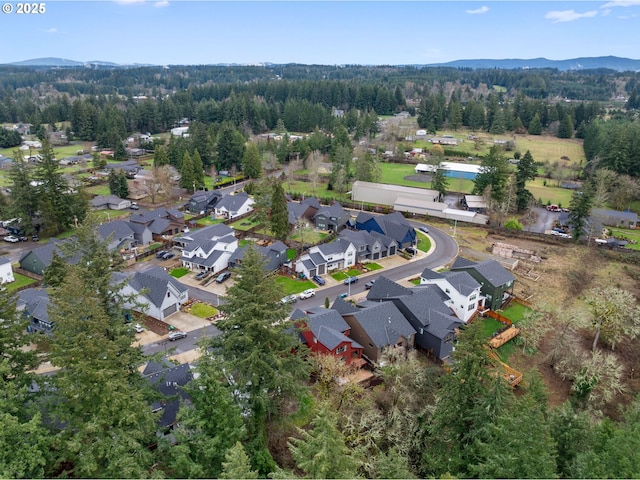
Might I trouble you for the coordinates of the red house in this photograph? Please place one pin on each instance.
(326, 332)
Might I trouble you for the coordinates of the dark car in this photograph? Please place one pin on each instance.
(161, 253)
(369, 285)
(222, 277)
(349, 280)
(410, 250)
(168, 256)
(177, 335)
(423, 229)
(23, 239)
(318, 280)
(35, 238)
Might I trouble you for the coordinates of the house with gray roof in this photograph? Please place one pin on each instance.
(6, 270)
(370, 245)
(203, 201)
(119, 233)
(426, 309)
(37, 260)
(208, 249)
(275, 255)
(497, 283)
(615, 218)
(392, 225)
(109, 202)
(34, 303)
(327, 333)
(333, 218)
(168, 380)
(155, 293)
(462, 290)
(306, 209)
(161, 221)
(232, 206)
(321, 259)
(380, 329)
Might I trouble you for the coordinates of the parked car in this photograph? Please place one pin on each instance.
(319, 280)
(310, 292)
(177, 335)
(138, 328)
(134, 206)
(201, 275)
(11, 239)
(161, 253)
(289, 299)
(35, 238)
(369, 285)
(410, 250)
(223, 276)
(169, 255)
(423, 229)
(23, 239)
(350, 280)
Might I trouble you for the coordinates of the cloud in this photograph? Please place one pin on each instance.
(605, 12)
(627, 17)
(51, 30)
(161, 4)
(482, 9)
(621, 3)
(129, 2)
(557, 16)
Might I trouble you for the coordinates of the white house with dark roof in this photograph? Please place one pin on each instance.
(370, 245)
(156, 293)
(336, 255)
(6, 270)
(497, 283)
(333, 217)
(232, 206)
(209, 248)
(462, 290)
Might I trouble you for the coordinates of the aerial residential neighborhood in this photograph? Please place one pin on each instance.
(219, 267)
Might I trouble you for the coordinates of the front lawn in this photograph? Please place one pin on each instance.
(515, 312)
(424, 244)
(292, 285)
(179, 272)
(203, 310)
(354, 272)
(19, 281)
(372, 266)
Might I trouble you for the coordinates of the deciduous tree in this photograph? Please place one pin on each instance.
(614, 315)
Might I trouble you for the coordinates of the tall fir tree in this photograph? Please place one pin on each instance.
(279, 215)
(198, 169)
(187, 176)
(525, 171)
(251, 162)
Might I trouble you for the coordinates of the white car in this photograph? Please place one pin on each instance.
(308, 293)
(11, 238)
(138, 328)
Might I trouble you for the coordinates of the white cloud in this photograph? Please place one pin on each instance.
(482, 9)
(161, 4)
(605, 12)
(621, 3)
(557, 16)
(129, 2)
(51, 30)
(627, 17)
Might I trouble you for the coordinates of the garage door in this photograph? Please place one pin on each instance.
(169, 310)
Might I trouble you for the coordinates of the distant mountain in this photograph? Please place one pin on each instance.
(63, 62)
(584, 63)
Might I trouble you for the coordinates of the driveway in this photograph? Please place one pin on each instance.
(544, 220)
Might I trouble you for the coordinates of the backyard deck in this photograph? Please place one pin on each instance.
(503, 337)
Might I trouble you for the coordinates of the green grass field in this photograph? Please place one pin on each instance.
(292, 285)
(557, 195)
(310, 236)
(179, 272)
(245, 224)
(372, 266)
(19, 282)
(515, 312)
(354, 272)
(202, 310)
(628, 235)
(424, 244)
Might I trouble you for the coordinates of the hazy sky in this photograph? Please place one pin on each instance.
(168, 32)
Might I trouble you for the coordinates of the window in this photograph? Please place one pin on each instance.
(342, 349)
(472, 298)
(471, 307)
(421, 331)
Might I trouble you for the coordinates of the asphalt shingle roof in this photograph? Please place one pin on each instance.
(384, 324)
(156, 282)
(495, 273)
(462, 282)
(385, 288)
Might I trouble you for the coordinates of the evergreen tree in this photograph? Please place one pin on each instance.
(565, 130)
(120, 153)
(321, 452)
(160, 156)
(493, 174)
(230, 147)
(198, 169)
(366, 168)
(525, 170)
(24, 194)
(264, 363)
(279, 216)
(535, 127)
(208, 427)
(251, 162)
(440, 182)
(99, 397)
(579, 211)
(237, 465)
(187, 176)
